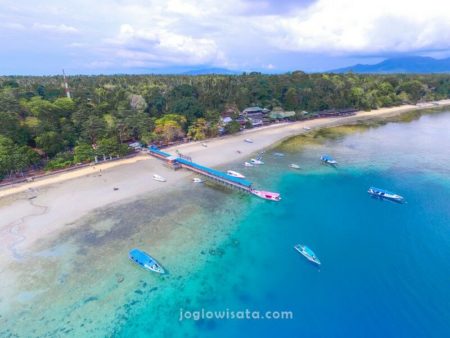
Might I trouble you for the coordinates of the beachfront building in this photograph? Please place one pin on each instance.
(336, 112)
(255, 112)
(282, 115)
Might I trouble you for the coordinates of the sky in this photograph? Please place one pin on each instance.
(144, 36)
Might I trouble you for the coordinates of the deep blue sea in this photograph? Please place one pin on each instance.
(385, 266)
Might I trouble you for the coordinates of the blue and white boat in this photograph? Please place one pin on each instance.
(144, 260)
(308, 253)
(384, 194)
(328, 159)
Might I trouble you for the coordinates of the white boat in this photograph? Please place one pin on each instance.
(306, 128)
(308, 253)
(278, 154)
(328, 160)
(248, 140)
(159, 178)
(204, 145)
(384, 194)
(197, 180)
(248, 164)
(294, 166)
(235, 174)
(267, 195)
(256, 161)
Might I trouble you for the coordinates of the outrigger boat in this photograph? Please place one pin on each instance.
(256, 161)
(308, 253)
(159, 178)
(328, 159)
(144, 260)
(384, 194)
(235, 174)
(294, 166)
(267, 195)
(248, 140)
(248, 164)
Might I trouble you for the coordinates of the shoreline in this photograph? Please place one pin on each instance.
(263, 137)
(33, 210)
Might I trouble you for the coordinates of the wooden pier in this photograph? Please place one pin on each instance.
(215, 175)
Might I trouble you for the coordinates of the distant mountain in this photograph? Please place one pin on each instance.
(410, 64)
(205, 71)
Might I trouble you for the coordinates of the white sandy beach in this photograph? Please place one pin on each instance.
(32, 210)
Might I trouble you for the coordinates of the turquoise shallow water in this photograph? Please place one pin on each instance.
(385, 268)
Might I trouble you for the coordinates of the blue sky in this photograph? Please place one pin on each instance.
(142, 36)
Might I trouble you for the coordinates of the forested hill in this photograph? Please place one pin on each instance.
(39, 126)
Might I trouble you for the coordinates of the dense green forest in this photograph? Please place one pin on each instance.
(40, 127)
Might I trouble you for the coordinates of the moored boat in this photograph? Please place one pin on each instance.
(256, 161)
(294, 166)
(328, 159)
(197, 180)
(248, 164)
(308, 253)
(248, 140)
(144, 260)
(278, 154)
(235, 174)
(384, 194)
(306, 128)
(159, 178)
(267, 195)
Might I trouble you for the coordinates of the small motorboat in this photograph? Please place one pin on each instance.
(235, 174)
(384, 194)
(278, 154)
(144, 260)
(328, 159)
(248, 164)
(159, 178)
(204, 144)
(308, 253)
(294, 166)
(256, 161)
(248, 140)
(267, 195)
(197, 180)
(306, 128)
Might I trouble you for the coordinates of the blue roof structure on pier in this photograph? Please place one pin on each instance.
(158, 151)
(207, 170)
(216, 173)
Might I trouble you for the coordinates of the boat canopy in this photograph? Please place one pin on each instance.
(377, 190)
(309, 251)
(142, 257)
(326, 158)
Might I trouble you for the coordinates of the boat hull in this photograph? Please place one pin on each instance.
(383, 194)
(303, 251)
(267, 195)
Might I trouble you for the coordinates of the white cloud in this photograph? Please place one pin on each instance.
(158, 45)
(349, 26)
(240, 34)
(61, 28)
(12, 25)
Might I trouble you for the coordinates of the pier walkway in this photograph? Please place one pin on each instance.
(215, 175)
